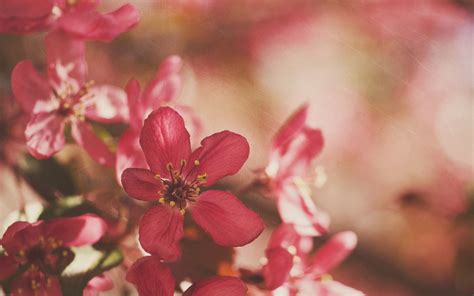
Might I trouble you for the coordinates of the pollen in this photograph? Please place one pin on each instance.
(172, 203)
(161, 200)
(197, 162)
(157, 177)
(326, 278)
(182, 211)
(65, 253)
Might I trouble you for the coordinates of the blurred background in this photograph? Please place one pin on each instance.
(389, 82)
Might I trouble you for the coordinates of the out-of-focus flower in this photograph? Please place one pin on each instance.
(40, 252)
(175, 179)
(12, 126)
(151, 277)
(161, 90)
(98, 284)
(65, 97)
(78, 18)
(293, 148)
(290, 269)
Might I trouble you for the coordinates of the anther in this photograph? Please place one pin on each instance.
(157, 177)
(172, 203)
(197, 162)
(291, 250)
(161, 200)
(182, 211)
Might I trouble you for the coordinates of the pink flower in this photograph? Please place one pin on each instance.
(79, 18)
(65, 97)
(98, 284)
(293, 148)
(290, 268)
(162, 89)
(176, 178)
(36, 254)
(151, 277)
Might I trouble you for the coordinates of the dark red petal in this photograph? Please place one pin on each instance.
(151, 277)
(129, 153)
(221, 154)
(108, 104)
(92, 25)
(85, 137)
(45, 134)
(141, 184)
(217, 286)
(226, 219)
(285, 236)
(166, 84)
(296, 207)
(165, 140)
(290, 128)
(160, 230)
(10, 242)
(76, 231)
(277, 270)
(66, 58)
(8, 267)
(135, 107)
(47, 285)
(333, 252)
(28, 86)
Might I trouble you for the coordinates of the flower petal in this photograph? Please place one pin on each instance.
(8, 267)
(129, 153)
(66, 58)
(98, 284)
(333, 252)
(165, 140)
(47, 284)
(108, 104)
(10, 242)
(85, 137)
(28, 86)
(76, 231)
(285, 236)
(160, 230)
(92, 25)
(141, 184)
(151, 277)
(24, 16)
(277, 270)
(296, 207)
(166, 84)
(135, 105)
(45, 134)
(290, 129)
(217, 286)
(221, 154)
(226, 219)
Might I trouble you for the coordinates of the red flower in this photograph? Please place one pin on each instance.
(78, 18)
(175, 179)
(151, 277)
(40, 252)
(293, 148)
(162, 89)
(65, 97)
(291, 269)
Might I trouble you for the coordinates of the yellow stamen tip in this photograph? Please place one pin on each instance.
(161, 200)
(326, 278)
(65, 253)
(182, 211)
(157, 177)
(172, 203)
(197, 162)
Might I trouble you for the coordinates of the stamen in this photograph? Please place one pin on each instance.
(197, 162)
(161, 200)
(326, 277)
(183, 164)
(157, 177)
(172, 203)
(292, 250)
(182, 211)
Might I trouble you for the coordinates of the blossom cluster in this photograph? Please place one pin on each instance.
(171, 183)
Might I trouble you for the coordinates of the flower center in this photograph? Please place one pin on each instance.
(72, 102)
(181, 188)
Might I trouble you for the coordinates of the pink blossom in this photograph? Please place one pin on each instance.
(40, 252)
(176, 178)
(293, 148)
(65, 97)
(79, 18)
(161, 90)
(98, 284)
(151, 277)
(291, 269)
